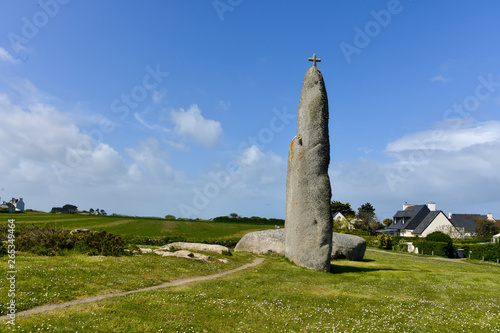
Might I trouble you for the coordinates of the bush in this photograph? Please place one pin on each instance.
(438, 236)
(250, 220)
(102, 243)
(49, 241)
(384, 241)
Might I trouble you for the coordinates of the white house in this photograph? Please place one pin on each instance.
(346, 222)
(419, 221)
(14, 205)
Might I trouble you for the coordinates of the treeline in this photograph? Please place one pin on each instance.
(250, 220)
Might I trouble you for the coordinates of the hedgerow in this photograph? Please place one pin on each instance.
(490, 252)
(440, 249)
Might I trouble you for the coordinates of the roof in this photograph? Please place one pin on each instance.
(416, 215)
(466, 221)
(426, 222)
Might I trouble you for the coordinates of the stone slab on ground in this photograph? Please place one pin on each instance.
(180, 254)
(197, 247)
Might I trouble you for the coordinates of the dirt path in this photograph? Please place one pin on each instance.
(95, 298)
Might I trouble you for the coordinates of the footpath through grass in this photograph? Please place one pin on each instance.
(384, 293)
(45, 280)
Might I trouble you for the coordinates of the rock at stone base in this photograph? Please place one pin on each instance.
(344, 246)
(350, 247)
(197, 247)
(263, 242)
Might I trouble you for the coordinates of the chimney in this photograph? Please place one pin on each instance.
(490, 217)
(432, 206)
(406, 205)
(450, 214)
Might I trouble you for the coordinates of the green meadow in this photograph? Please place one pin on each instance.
(385, 292)
(141, 227)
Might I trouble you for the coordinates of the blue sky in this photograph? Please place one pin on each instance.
(187, 108)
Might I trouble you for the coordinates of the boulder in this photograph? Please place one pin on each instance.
(262, 242)
(345, 246)
(197, 247)
(80, 231)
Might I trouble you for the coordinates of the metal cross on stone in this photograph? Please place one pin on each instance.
(314, 60)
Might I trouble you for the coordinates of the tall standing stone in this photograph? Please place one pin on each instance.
(308, 226)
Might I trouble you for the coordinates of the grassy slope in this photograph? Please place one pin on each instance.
(139, 226)
(45, 280)
(384, 293)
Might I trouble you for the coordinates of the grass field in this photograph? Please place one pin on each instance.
(140, 227)
(384, 293)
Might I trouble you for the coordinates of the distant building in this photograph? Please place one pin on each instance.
(346, 222)
(466, 223)
(14, 205)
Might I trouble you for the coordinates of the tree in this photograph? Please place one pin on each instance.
(343, 208)
(387, 222)
(234, 216)
(170, 217)
(366, 219)
(367, 210)
(486, 228)
(69, 209)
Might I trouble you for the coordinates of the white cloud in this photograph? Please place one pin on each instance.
(440, 78)
(5, 56)
(223, 105)
(191, 124)
(457, 168)
(149, 163)
(158, 96)
(448, 139)
(138, 117)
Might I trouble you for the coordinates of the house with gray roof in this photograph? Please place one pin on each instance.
(466, 223)
(419, 221)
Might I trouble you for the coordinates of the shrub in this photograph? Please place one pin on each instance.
(384, 241)
(3, 249)
(49, 241)
(102, 243)
(438, 236)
